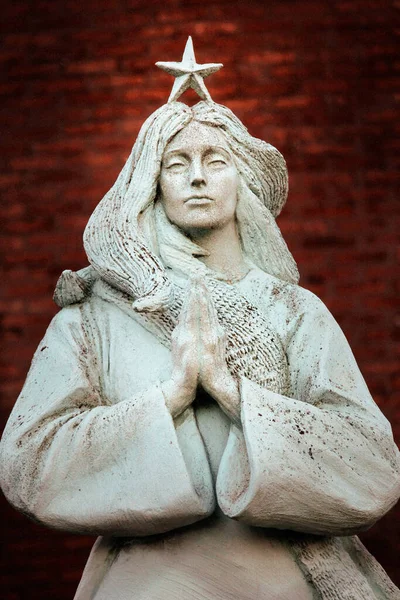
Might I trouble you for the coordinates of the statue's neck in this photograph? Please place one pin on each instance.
(224, 250)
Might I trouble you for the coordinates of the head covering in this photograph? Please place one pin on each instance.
(113, 240)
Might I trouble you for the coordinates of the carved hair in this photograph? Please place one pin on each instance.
(129, 228)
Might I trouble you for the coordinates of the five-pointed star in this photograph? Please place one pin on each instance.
(189, 74)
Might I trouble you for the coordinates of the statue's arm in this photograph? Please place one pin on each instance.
(71, 460)
(322, 461)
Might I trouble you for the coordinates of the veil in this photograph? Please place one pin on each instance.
(119, 237)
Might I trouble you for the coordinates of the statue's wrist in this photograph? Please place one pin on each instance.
(177, 396)
(225, 390)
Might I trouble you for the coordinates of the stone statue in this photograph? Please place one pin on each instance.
(190, 403)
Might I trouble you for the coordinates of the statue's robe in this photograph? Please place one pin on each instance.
(91, 447)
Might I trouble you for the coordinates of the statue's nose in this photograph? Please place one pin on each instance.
(197, 174)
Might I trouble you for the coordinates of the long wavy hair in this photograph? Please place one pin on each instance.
(129, 240)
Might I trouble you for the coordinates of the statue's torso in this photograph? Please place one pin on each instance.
(216, 558)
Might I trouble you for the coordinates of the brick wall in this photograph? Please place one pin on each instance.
(317, 78)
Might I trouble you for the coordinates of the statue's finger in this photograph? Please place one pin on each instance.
(191, 317)
(210, 325)
(185, 308)
(212, 312)
(203, 299)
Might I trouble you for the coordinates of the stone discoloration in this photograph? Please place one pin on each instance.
(298, 443)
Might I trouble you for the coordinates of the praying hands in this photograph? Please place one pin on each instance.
(198, 354)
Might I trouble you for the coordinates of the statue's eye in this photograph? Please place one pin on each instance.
(217, 162)
(176, 164)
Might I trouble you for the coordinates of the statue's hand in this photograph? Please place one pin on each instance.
(214, 375)
(180, 391)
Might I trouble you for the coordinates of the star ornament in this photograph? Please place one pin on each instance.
(189, 74)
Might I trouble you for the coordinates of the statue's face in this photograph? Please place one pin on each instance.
(199, 180)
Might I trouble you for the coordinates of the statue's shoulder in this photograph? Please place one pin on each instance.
(74, 287)
(82, 323)
(285, 296)
(65, 327)
(77, 294)
(77, 300)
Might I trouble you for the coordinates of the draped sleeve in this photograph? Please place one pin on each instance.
(73, 460)
(320, 460)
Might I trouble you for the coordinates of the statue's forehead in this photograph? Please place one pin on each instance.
(197, 135)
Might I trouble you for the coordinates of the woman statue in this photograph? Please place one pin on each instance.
(191, 404)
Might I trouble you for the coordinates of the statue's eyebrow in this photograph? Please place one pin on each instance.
(216, 149)
(178, 151)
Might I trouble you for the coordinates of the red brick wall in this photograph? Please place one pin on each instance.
(317, 78)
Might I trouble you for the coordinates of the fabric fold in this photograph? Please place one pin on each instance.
(73, 460)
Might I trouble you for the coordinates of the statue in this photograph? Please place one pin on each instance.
(191, 404)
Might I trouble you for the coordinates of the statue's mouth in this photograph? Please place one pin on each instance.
(198, 200)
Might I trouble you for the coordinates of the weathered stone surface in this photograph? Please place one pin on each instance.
(354, 292)
(111, 434)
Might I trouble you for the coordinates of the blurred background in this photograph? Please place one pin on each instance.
(319, 79)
